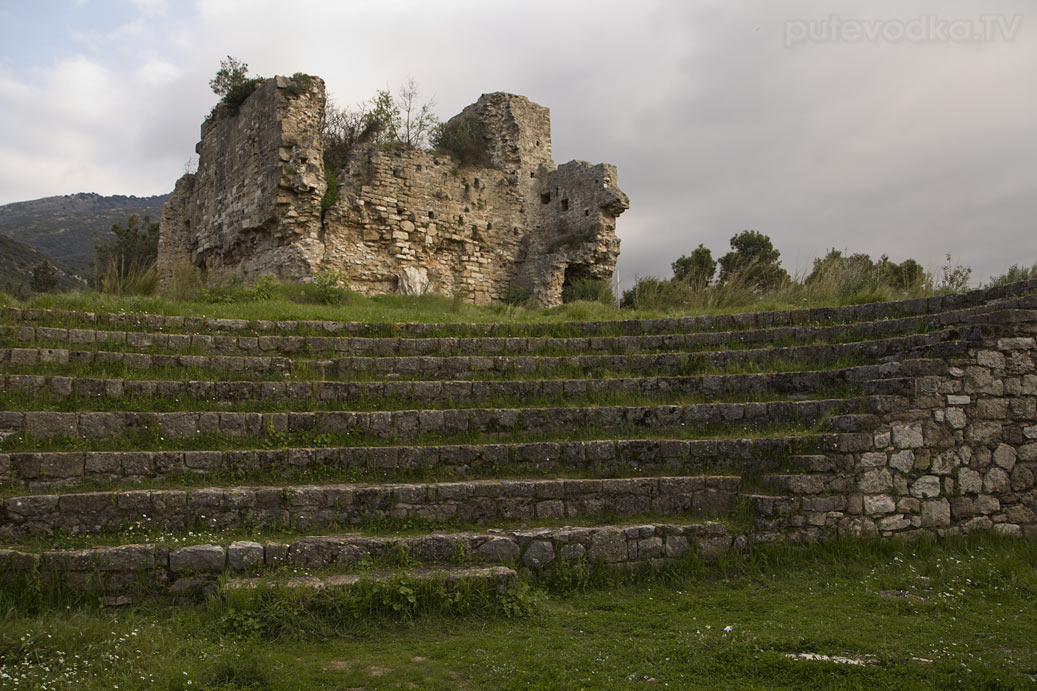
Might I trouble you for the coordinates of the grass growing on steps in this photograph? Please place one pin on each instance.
(9, 340)
(45, 401)
(145, 532)
(153, 440)
(292, 302)
(971, 623)
(311, 370)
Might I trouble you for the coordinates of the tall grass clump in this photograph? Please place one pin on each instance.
(749, 277)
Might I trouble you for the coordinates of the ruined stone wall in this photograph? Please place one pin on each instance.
(254, 204)
(404, 220)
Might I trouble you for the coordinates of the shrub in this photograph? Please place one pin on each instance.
(464, 138)
(331, 193)
(589, 290)
(954, 278)
(1014, 273)
(232, 84)
(696, 269)
(754, 260)
(44, 278)
(125, 264)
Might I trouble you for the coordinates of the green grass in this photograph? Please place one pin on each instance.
(448, 348)
(153, 440)
(476, 469)
(294, 302)
(561, 368)
(145, 532)
(974, 625)
(46, 401)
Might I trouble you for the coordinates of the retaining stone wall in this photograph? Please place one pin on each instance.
(149, 567)
(409, 425)
(960, 455)
(446, 392)
(310, 507)
(40, 470)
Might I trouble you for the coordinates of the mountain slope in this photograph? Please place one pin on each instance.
(63, 227)
(17, 260)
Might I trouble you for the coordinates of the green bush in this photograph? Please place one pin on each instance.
(331, 193)
(232, 84)
(124, 265)
(697, 269)
(1014, 273)
(44, 278)
(752, 261)
(464, 138)
(589, 290)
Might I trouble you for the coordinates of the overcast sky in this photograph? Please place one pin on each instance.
(906, 128)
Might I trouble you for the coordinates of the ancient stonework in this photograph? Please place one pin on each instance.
(404, 220)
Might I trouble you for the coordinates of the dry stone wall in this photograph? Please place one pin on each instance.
(403, 220)
(955, 454)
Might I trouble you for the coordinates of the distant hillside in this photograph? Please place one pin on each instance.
(17, 260)
(63, 227)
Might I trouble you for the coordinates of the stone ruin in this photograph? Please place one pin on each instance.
(405, 220)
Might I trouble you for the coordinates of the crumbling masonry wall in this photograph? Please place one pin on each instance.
(403, 220)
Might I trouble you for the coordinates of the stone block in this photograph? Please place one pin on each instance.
(498, 550)
(875, 481)
(936, 514)
(878, 504)
(608, 545)
(198, 559)
(970, 481)
(47, 425)
(907, 436)
(1022, 479)
(538, 554)
(996, 481)
(904, 461)
(1005, 456)
(926, 486)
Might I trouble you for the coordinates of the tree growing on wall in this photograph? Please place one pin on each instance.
(387, 119)
(232, 83)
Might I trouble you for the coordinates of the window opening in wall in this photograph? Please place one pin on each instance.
(545, 197)
(565, 205)
(586, 212)
(431, 214)
(475, 183)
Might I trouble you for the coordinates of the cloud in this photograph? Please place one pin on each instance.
(909, 149)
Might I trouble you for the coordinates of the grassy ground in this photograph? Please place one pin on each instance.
(961, 613)
(272, 301)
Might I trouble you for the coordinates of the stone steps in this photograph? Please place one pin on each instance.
(411, 425)
(323, 346)
(397, 394)
(500, 578)
(743, 321)
(637, 364)
(540, 440)
(308, 507)
(185, 568)
(337, 346)
(40, 471)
